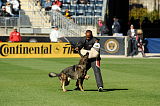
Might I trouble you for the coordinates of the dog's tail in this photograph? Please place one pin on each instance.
(52, 75)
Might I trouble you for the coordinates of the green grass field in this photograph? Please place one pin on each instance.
(129, 82)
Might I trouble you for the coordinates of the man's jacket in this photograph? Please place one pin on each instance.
(15, 37)
(86, 44)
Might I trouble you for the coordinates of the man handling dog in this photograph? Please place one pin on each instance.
(87, 43)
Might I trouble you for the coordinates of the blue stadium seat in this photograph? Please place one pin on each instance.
(91, 5)
(73, 12)
(98, 13)
(81, 7)
(66, 1)
(99, 2)
(89, 8)
(63, 13)
(63, 10)
(98, 8)
(80, 12)
(65, 6)
(73, 7)
(89, 14)
(92, 1)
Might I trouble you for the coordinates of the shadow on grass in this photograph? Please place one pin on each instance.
(107, 90)
(153, 56)
(104, 90)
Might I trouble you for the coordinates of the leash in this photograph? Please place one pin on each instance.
(103, 49)
(79, 51)
(67, 40)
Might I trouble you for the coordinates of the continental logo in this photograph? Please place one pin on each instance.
(20, 49)
(34, 49)
(111, 46)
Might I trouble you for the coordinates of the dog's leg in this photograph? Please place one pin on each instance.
(80, 85)
(63, 86)
(61, 82)
(63, 79)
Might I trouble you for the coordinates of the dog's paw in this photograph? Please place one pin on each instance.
(64, 90)
(82, 90)
(87, 77)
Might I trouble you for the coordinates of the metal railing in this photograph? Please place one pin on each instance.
(67, 26)
(8, 21)
(6, 24)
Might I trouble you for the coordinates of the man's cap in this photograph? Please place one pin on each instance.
(3, 7)
(100, 19)
(132, 25)
(14, 27)
(54, 26)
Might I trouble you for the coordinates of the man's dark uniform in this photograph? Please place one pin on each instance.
(94, 62)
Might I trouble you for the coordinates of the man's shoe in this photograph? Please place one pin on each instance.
(100, 89)
(77, 89)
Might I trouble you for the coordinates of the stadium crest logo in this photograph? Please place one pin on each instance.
(111, 46)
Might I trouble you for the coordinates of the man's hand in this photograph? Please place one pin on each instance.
(87, 77)
(77, 49)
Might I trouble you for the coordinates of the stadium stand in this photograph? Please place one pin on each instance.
(32, 17)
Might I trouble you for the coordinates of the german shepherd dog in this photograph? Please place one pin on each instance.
(75, 72)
